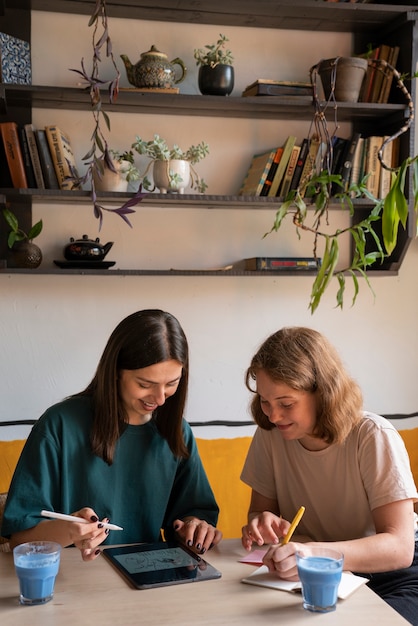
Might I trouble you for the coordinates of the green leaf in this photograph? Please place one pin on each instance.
(35, 230)
(11, 219)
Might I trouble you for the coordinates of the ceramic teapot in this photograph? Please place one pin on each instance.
(86, 249)
(154, 70)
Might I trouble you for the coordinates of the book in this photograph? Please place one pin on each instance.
(14, 157)
(386, 175)
(338, 149)
(47, 165)
(287, 178)
(388, 76)
(366, 88)
(300, 163)
(62, 157)
(30, 176)
(282, 263)
(256, 175)
(34, 155)
(309, 166)
(347, 161)
(372, 164)
(15, 61)
(266, 87)
(281, 168)
(263, 578)
(272, 171)
(384, 53)
(356, 169)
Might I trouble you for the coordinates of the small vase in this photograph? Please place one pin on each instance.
(26, 254)
(171, 176)
(112, 181)
(346, 74)
(216, 81)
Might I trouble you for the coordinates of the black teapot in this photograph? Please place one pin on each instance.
(86, 249)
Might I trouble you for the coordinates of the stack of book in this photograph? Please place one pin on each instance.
(378, 80)
(267, 87)
(279, 170)
(36, 158)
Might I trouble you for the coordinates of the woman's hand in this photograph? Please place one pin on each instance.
(264, 528)
(281, 560)
(86, 537)
(197, 534)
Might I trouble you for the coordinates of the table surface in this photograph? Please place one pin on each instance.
(95, 593)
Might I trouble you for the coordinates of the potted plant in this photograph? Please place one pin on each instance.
(173, 168)
(370, 246)
(119, 178)
(25, 253)
(216, 73)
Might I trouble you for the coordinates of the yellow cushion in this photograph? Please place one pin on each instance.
(9, 455)
(223, 460)
(410, 438)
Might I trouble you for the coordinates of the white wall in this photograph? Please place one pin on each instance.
(53, 328)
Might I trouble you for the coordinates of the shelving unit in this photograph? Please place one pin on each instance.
(367, 22)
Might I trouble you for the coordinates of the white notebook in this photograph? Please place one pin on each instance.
(263, 578)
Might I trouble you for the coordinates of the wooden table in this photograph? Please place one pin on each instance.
(95, 594)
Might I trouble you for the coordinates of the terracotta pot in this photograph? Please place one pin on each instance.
(346, 74)
(216, 81)
(26, 254)
(112, 181)
(171, 176)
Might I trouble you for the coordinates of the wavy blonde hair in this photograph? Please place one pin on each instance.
(305, 360)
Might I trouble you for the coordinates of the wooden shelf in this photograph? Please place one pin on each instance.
(285, 14)
(133, 272)
(133, 101)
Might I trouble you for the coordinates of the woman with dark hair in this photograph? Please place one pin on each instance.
(316, 447)
(120, 450)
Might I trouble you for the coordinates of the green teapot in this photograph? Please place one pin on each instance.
(154, 70)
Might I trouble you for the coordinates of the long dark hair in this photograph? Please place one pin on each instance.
(140, 340)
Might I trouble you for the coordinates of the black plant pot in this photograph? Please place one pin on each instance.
(216, 81)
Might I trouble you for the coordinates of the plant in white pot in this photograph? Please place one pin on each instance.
(119, 178)
(216, 73)
(173, 168)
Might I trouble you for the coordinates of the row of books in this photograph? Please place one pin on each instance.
(269, 87)
(32, 158)
(280, 170)
(378, 80)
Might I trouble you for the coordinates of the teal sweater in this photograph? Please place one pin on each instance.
(144, 490)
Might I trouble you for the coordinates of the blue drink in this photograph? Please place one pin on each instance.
(320, 575)
(37, 564)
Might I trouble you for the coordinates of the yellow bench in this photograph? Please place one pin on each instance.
(223, 460)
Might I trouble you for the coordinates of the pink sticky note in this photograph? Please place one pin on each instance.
(254, 558)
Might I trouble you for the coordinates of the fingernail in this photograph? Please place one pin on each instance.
(107, 531)
(94, 518)
(203, 550)
(99, 525)
(97, 552)
(198, 546)
(190, 543)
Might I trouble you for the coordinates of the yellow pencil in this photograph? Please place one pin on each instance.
(293, 525)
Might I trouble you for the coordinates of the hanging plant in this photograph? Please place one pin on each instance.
(389, 211)
(99, 154)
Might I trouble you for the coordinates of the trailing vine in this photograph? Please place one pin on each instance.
(389, 211)
(99, 156)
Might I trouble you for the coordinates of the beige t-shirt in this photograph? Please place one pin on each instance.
(338, 486)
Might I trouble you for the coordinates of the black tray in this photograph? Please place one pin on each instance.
(85, 265)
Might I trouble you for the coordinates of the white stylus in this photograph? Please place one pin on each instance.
(74, 518)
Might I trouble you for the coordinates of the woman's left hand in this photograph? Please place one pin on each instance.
(197, 534)
(281, 560)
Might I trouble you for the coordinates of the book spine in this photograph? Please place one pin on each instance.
(309, 166)
(34, 155)
(30, 176)
(281, 169)
(355, 177)
(282, 263)
(285, 188)
(347, 161)
(300, 163)
(372, 164)
(272, 172)
(62, 157)
(14, 155)
(48, 169)
(386, 175)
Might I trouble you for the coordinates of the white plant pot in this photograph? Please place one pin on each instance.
(164, 171)
(113, 181)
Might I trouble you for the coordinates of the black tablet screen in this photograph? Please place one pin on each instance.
(159, 564)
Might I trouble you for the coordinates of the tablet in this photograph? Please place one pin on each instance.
(148, 565)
